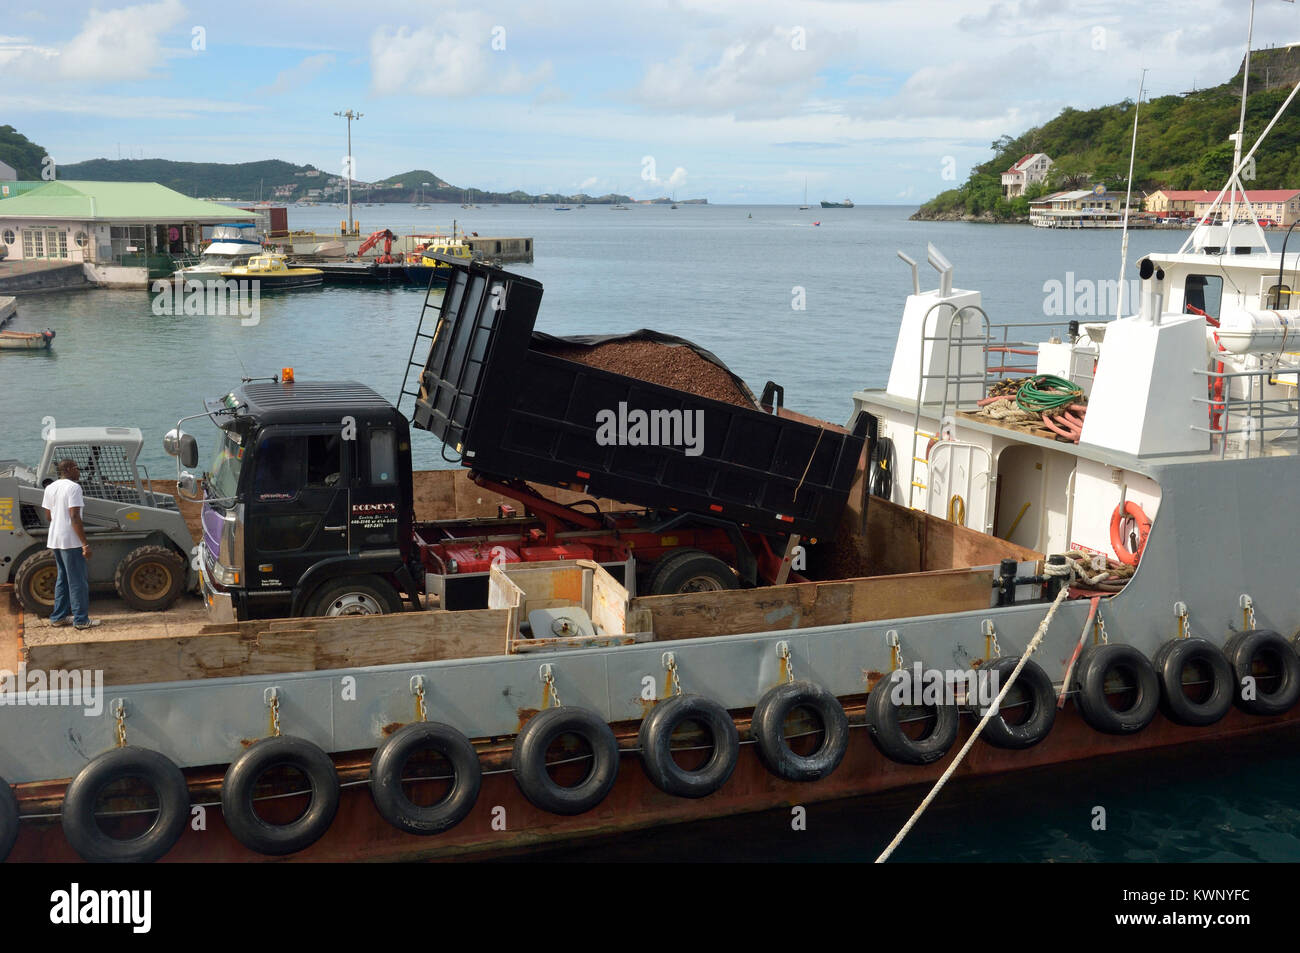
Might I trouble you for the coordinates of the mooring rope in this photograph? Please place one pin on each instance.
(994, 709)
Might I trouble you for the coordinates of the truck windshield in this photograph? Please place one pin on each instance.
(226, 466)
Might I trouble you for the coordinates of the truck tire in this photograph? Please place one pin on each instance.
(150, 578)
(690, 570)
(354, 595)
(34, 582)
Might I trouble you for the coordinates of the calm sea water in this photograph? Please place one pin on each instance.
(725, 277)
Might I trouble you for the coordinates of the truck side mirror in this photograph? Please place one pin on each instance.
(177, 443)
(188, 486)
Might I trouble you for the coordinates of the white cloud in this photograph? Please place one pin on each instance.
(125, 107)
(454, 59)
(588, 183)
(300, 75)
(768, 72)
(120, 44)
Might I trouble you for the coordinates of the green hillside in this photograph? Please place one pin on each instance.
(20, 152)
(249, 181)
(1182, 143)
(243, 180)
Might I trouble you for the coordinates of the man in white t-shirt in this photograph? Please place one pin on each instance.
(63, 503)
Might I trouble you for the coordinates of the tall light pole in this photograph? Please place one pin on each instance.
(349, 115)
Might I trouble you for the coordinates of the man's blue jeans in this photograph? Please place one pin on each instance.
(72, 589)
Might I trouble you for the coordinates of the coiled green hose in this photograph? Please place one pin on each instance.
(1047, 392)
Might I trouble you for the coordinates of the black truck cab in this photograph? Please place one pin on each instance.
(307, 509)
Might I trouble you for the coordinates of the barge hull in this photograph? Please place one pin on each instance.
(359, 833)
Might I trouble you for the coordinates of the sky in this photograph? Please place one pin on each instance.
(882, 101)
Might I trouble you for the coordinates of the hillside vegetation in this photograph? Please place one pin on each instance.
(20, 152)
(1182, 143)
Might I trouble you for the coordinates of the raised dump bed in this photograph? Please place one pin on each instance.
(506, 408)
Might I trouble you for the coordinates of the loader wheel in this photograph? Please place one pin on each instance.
(150, 578)
(34, 582)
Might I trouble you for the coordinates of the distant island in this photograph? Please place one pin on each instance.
(273, 180)
(1182, 143)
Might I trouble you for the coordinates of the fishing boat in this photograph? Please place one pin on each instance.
(26, 340)
(274, 273)
(232, 245)
(847, 203)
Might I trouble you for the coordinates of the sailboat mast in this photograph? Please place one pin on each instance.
(1241, 123)
(1128, 198)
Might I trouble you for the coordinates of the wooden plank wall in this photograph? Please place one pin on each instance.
(802, 605)
(284, 645)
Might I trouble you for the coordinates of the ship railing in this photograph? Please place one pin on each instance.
(966, 381)
(1256, 423)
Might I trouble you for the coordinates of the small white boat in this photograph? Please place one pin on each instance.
(26, 340)
(232, 245)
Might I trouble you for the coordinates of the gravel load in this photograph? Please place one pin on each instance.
(656, 362)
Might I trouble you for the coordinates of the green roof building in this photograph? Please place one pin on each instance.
(125, 232)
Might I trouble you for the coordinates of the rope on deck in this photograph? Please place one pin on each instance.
(993, 709)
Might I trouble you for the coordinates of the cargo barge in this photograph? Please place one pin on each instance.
(1034, 545)
(708, 700)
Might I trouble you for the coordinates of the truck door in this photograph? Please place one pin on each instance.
(376, 514)
(298, 507)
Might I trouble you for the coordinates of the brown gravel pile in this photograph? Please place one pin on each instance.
(669, 365)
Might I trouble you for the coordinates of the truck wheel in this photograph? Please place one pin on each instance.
(34, 582)
(691, 570)
(354, 595)
(150, 578)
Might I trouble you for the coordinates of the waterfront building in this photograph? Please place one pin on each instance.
(1279, 206)
(1078, 208)
(123, 232)
(1030, 170)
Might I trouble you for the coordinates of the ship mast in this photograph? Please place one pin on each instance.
(1128, 198)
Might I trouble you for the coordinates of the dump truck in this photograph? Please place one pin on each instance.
(308, 507)
(140, 545)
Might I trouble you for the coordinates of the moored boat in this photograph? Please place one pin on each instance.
(273, 273)
(232, 245)
(26, 340)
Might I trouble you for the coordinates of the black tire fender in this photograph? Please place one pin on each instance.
(8, 819)
(241, 780)
(1243, 650)
(656, 737)
(1098, 662)
(1041, 695)
(886, 726)
(528, 760)
(1171, 661)
(386, 778)
(157, 771)
(768, 729)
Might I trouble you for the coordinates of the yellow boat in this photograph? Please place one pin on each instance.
(448, 248)
(272, 271)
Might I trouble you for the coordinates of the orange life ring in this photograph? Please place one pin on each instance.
(1117, 543)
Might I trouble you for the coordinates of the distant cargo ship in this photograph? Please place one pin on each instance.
(847, 203)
